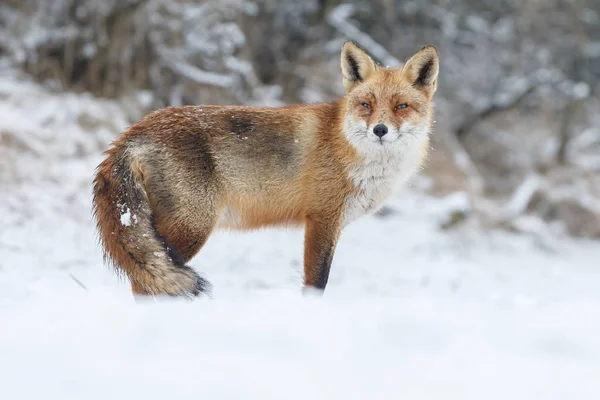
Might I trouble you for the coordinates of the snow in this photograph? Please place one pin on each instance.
(126, 217)
(411, 311)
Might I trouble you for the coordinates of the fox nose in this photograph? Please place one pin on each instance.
(380, 130)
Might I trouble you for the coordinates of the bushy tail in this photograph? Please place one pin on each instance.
(128, 236)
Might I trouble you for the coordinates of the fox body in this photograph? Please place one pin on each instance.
(180, 173)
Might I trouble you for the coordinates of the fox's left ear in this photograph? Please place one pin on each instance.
(357, 66)
(422, 70)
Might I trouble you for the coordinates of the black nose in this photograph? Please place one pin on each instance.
(380, 130)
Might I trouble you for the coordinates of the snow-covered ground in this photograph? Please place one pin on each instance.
(410, 312)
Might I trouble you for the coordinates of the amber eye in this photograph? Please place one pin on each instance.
(401, 106)
(365, 104)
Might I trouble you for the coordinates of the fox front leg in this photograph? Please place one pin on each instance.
(320, 239)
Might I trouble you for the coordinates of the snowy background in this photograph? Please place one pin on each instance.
(478, 280)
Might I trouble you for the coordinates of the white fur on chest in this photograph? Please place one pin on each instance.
(379, 174)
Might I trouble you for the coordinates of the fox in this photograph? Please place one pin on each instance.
(182, 172)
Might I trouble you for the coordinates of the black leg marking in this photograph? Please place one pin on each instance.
(324, 268)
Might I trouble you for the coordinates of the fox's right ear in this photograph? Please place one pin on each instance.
(357, 66)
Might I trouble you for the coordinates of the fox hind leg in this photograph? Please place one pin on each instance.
(186, 235)
(183, 217)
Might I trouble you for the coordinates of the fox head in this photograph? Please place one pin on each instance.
(388, 107)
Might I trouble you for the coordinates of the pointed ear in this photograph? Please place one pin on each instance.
(422, 69)
(357, 66)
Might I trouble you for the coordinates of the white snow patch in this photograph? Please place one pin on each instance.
(277, 345)
(126, 217)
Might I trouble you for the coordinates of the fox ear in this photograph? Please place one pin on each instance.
(422, 69)
(357, 66)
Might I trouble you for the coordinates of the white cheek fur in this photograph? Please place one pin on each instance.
(383, 167)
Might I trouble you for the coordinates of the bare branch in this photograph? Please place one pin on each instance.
(339, 19)
(77, 281)
(196, 74)
(496, 106)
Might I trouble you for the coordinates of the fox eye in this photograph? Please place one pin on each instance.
(401, 106)
(365, 104)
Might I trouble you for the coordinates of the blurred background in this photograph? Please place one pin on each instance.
(477, 280)
(517, 134)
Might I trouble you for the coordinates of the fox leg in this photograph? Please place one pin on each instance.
(320, 239)
(183, 242)
(189, 234)
(183, 218)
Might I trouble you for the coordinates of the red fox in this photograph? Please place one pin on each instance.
(180, 173)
